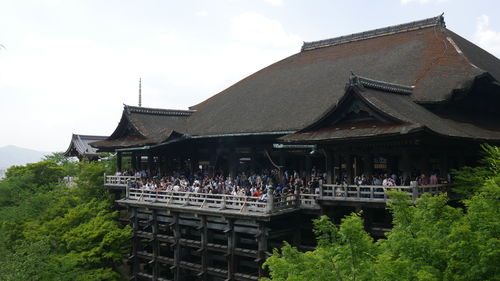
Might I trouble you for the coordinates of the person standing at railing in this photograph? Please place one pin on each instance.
(422, 180)
(388, 181)
(433, 178)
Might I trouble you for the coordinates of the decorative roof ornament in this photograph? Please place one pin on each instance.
(140, 94)
(157, 111)
(414, 25)
(362, 82)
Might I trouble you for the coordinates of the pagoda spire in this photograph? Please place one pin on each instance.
(140, 94)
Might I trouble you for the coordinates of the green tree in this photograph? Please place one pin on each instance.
(430, 240)
(342, 254)
(51, 232)
(469, 180)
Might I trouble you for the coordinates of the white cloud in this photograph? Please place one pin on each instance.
(202, 13)
(405, 2)
(256, 29)
(52, 86)
(275, 2)
(487, 38)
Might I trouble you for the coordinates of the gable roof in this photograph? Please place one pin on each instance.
(80, 146)
(296, 91)
(406, 116)
(143, 126)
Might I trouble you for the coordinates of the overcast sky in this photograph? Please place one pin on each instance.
(69, 66)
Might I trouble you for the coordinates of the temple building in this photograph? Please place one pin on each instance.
(80, 147)
(406, 101)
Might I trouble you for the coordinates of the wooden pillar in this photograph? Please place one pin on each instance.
(155, 245)
(368, 219)
(349, 164)
(177, 249)
(368, 165)
(297, 235)
(329, 166)
(308, 167)
(337, 168)
(231, 241)
(138, 162)
(233, 162)
(444, 165)
(213, 163)
(253, 160)
(282, 164)
(135, 245)
(133, 161)
(150, 164)
(262, 247)
(203, 248)
(405, 164)
(119, 161)
(270, 201)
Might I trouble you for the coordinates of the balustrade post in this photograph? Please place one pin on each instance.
(297, 196)
(127, 190)
(223, 203)
(372, 192)
(358, 191)
(321, 191)
(270, 201)
(104, 178)
(414, 189)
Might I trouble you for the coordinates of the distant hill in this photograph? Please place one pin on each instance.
(14, 155)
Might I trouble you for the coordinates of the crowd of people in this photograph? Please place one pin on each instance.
(243, 184)
(258, 184)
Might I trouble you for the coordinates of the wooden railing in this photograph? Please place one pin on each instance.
(122, 181)
(375, 193)
(309, 201)
(271, 203)
(247, 204)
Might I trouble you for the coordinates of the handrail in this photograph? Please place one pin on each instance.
(202, 200)
(375, 192)
(269, 203)
(119, 180)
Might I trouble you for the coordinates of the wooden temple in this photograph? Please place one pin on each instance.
(80, 147)
(409, 99)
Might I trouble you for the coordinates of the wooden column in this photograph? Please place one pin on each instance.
(138, 162)
(349, 163)
(328, 165)
(135, 245)
(444, 165)
(337, 162)
(233, 163)
(177, 247)
(231, 243)
(253, 160)
(150, 164)
(262, 245)
(297, 235)
(133, 161)
(405, 164)
(119, 161)
(308, 167)
(155, 245)
(203, 248)
(368, 165)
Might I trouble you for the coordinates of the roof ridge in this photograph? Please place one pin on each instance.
(414, 25)
(355, 80)
(158, 111)
(89, 136)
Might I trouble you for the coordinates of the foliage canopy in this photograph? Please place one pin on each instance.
(49, 231)
(430, 240)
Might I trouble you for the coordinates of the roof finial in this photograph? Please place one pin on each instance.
(140, 95)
